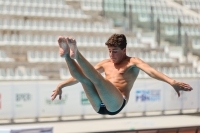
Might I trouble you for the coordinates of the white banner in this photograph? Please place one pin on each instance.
(136, 101)
(6, 100)
(189, 99)
(73, 101)
(154, 95)
(47, 107)
(146, 95)
(198, 81)
(18, 98)
(85, 104)
(171, 99)
(24, 100)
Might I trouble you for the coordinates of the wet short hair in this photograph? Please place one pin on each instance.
(117, 40)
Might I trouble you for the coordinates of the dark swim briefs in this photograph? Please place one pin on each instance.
(104, 111)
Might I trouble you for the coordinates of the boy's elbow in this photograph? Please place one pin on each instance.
(152, 73)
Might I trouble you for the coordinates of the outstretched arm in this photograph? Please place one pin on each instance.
(68, 82)
(160, 76)
(58, 90)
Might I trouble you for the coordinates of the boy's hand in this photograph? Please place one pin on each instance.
(57, 91)
(180, 86)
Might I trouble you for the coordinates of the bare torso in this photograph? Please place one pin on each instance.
(122, 75)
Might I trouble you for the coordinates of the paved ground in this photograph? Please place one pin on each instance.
(104, 125)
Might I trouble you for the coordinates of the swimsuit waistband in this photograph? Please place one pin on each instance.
(124, 97)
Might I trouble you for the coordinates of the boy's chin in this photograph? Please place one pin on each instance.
(113, 61)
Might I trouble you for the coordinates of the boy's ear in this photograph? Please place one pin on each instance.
(124, 50)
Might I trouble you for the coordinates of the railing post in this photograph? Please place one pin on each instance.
(179, 33)
(124, 8)
(158, 32)
(130, 18)
(103, 9)
(185, 46)
(152, 19)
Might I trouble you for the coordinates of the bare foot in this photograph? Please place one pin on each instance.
(63, 47)
(73, 48)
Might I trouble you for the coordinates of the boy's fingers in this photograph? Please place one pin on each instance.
(52, 98)
(187, 88)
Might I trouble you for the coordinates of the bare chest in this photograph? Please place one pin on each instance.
(113, 72)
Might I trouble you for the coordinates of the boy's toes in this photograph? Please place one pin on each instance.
(60, 39)
(61, 53)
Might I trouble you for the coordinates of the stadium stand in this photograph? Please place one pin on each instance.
(145, 13)
(191, 4)
(163, 33)
(29, 31)
(4, 58)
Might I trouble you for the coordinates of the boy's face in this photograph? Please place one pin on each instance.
(116, 54)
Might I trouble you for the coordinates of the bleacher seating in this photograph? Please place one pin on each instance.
(191, 30)
(43, 56)
(64, 73)
(191, 4)
(51, 40)
(158, 57)
(168, 12)
(21, 73)
(53, 56)
(196, 43)
(23, 8)
(4, 57)
(29, 30)
(175, 72)
(56, 25)
(97, 56)
(161, 9)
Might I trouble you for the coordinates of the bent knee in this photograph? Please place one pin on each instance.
(96, 108)
(115, 106)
